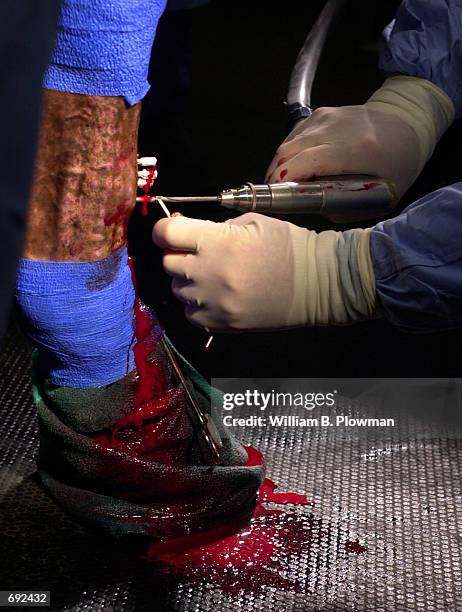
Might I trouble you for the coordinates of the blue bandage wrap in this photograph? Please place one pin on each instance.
(104, 48)
(80, 317)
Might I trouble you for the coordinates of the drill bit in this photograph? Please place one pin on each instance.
(180, 199)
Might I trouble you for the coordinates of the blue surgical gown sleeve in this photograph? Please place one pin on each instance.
(425, 40)
(417, 260)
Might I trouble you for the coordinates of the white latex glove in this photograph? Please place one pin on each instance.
(255, 272)
(392, 136)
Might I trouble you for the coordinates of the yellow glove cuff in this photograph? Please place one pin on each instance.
(334, 282)
(426, 108)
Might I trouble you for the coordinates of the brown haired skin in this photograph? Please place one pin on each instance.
(85, 177)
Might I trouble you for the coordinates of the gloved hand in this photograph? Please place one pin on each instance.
(256, 272)
(391, 136)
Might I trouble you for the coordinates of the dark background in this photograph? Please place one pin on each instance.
(214, 118)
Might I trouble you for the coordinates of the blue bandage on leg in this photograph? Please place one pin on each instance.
(103, 48)
(80, 317)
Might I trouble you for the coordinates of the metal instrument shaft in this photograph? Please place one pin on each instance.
(342, 199)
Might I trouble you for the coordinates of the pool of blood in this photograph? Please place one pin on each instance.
(243, 554)
(248, 556)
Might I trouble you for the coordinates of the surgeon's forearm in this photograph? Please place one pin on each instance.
(85, 178)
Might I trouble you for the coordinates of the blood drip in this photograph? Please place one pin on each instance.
(266, 492)
(146, 188)
(147, 431)
(151, 381)
(283, 173)
(354, 547)
(145, 201)
(158, 427)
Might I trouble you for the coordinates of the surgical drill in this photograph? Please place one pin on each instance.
(343, 198)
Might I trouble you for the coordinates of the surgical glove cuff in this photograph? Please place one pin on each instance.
(426, 108)
(334, 280)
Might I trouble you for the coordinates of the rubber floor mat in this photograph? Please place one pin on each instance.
(384, 533)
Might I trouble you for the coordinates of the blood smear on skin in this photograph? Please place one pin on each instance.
(121, 216)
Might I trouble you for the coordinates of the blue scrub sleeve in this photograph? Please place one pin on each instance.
(103, 47)
(425, 40)
(417, 260)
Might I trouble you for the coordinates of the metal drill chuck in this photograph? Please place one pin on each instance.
(340, 198)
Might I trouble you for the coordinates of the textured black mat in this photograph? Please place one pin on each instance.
(396, 490)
